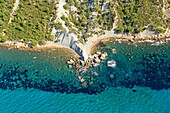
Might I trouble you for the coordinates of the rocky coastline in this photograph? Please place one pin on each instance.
(86, 78)
(85, 50)
(94, 58)
(84, 75)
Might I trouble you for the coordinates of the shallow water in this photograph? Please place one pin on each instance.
(137, 64)
(40, 82)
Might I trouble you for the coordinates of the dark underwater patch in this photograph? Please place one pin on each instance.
(13, 78)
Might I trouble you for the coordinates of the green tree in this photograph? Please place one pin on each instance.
(3, 38)
(68, 24)
(86, 35)
(58, 25)
(84, 20)
(66, 6)
(71, 2)
(42, 42)
(34, 43)
(1, 22)
(63, 17)
(130, 28)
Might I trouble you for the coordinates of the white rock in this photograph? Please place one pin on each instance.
(105, 54)
(34, 58)
(97, 60)
(70, 66)
(103, 57)
(95, 56)
(71, 61)
(98, 53)
(81, 79)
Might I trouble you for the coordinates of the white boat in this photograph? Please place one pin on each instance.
(111, 63)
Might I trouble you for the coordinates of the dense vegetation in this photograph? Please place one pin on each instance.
(94, 16)
(31, 22)
(136, 15)
(34, 19)
(88, 17)
(5, 10)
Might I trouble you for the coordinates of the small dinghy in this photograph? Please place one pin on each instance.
(111, 63)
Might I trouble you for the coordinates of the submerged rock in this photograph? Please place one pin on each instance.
(84, 84)
(113, 50)
(112, 76)
(95, 73)
(90, 82)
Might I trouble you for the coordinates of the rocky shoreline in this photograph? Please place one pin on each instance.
(82, 67)
(134, 39)
(94, 58)
(84, 51)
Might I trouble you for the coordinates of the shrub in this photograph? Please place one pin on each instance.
(64, 17)
(68, 24)
(80, 40)
(119, 30)
(42, 42)
(160, 30)
(34, 43)
(49, 37)
(58, 25)
(1, 22)
(3, 38)
(86, 35)
(66, 6)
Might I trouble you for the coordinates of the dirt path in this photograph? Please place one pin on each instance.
(116, 19)
(13, 10)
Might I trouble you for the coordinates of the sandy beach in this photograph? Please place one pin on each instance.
(25, 47)
(93, 41)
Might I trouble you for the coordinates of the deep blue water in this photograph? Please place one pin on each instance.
(40, 82)
(114, 100)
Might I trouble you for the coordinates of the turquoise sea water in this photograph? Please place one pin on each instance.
(40, 82)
